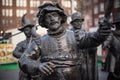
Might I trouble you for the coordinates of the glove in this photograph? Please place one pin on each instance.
(47, 68)
(106, 45)
(105, 28)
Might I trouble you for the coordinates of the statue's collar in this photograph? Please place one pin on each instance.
(58, 33)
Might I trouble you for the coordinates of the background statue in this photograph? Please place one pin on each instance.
(58, 48)
(27, 26)
(112, 64)
(89, 65)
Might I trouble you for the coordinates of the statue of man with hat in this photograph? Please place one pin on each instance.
(27, 28)
(89, 63)
(112, 64)
(77, 21)
(58, 48)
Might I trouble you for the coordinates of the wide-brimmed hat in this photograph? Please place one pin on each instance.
(50, 7)
(25, 22)
(76, 16)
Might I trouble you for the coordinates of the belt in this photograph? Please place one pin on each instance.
(61, 57)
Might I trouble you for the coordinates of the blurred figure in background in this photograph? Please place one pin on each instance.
(112, 44)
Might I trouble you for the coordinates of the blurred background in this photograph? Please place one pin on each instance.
(11, 12)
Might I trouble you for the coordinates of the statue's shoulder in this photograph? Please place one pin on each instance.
(69, 32)
(44, 37)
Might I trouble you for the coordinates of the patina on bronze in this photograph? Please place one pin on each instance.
(58, 48)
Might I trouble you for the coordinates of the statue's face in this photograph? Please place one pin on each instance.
(27, 31)
(53, 20)
(77, 23)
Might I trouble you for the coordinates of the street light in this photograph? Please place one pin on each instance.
(1, 32)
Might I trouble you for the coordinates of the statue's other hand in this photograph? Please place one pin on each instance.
(47, 68)
(105, 28)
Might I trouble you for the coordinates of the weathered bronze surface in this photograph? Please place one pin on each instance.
(58, 48)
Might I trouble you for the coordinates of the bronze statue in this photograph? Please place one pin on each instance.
(58, 48)
(77, 21)
(89, 64)
(26, 28)
(112, 64)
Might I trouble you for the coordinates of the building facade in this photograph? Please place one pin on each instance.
(98, 10)
(11, 11)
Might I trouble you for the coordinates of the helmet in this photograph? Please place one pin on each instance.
(25, 22)
(50, 7)
(75, 16)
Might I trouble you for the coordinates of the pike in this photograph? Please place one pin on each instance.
(9, 36)
(108, 9)
(106, 18)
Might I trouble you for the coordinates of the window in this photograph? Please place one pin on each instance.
(20, 13)
(96, 10)
(7, 22)
(96, 21)
(7, 2)
(24, 3)
(34, 3)
(3, 2)
(17, 2)
(11, 21)
(10, 2)
(45, 1)
(66, 3)
(10, 12)
(117, 4)
(3, 21)
(21, 3)
(101, 7)
(3, 12)
(7, 12)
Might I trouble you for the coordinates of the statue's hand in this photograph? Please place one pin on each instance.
(47, 68)
(105, 28)
(105, 46)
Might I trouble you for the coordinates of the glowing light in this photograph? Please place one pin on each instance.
(1, 32)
